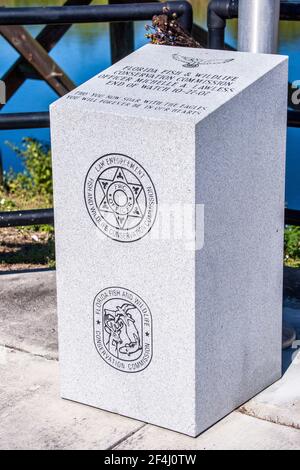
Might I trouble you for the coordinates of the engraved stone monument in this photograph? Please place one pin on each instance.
(175, 329)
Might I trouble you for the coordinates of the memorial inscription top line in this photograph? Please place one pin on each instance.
(170, 82)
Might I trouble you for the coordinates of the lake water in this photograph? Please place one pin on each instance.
(85, 50)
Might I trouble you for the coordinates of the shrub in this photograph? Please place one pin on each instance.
(36, 180)
(31, 189)
(292, 246)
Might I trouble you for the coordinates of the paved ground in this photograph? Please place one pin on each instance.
(33, 416)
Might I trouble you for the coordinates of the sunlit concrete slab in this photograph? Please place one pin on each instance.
(236, 432)
(28, 312)
(33, 416)
(281, 402)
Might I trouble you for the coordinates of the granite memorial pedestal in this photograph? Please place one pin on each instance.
(173, 330)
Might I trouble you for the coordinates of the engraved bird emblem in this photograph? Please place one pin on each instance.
(193, 62)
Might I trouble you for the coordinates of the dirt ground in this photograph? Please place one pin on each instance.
(23, 248)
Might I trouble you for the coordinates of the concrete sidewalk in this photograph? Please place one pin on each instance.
(33, 416)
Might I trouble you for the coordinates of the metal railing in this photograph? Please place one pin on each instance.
(219, 11)
(71, 15)
(94, 13)
(24, 121)
(25, 218)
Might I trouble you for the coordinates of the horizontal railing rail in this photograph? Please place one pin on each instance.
(13, 121)
(292, 217)
(290, 11)
(25, 218)
(46, 216)
(94, 13)
(293, 118)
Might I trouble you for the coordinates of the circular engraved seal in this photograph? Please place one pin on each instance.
(123, 329)
(120, 197)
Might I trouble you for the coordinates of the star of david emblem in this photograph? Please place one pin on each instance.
(120, 197)
(120, 200)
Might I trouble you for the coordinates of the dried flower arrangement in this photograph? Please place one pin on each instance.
(166, 30)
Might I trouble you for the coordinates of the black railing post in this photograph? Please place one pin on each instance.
(217, 14)
(187, 17)
(221, 10)
(121, 36)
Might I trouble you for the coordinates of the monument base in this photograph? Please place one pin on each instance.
(169, 173)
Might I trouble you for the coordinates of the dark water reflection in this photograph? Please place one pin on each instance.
(84, 51)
